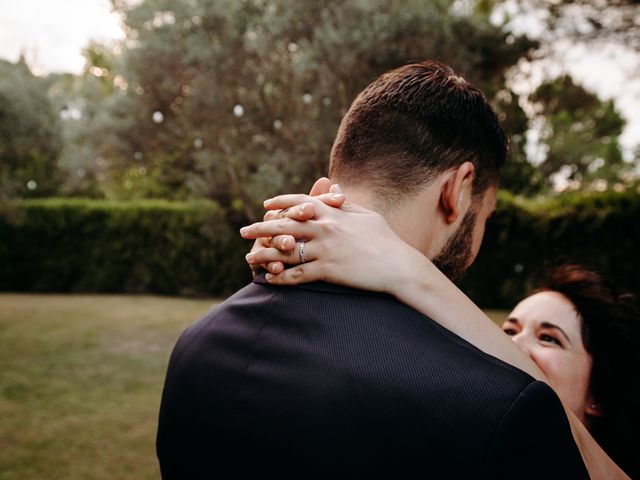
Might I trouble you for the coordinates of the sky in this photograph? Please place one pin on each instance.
(612, 72)
(609, 69)
(52, 33)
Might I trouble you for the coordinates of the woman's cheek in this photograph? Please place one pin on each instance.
(568, 375)
(553, 365)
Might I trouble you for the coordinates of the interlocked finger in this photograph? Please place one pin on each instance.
(274, 267)
(285, 201)
(283, 242)
(308, 272)
(277, 227)
(304, 211)
(302, 253)
(271, 215)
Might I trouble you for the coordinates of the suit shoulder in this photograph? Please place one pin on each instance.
(535, 431)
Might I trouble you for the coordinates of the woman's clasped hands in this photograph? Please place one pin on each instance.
(325, 238)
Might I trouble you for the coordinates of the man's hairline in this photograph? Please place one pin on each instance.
(389, 199)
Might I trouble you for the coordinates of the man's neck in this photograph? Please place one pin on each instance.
(362, 197)
(409, 219)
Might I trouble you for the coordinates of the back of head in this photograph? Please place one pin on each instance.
(412, 124)
(611, 334)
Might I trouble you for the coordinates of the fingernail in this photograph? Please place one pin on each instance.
(267, 202)
(337, 196)
(248, 257)
(268, 276)
(335, 188)
(244, 230)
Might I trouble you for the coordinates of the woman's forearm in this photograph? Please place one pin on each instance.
(598, 463)
(423, 287)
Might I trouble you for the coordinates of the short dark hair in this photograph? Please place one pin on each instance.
(413, 123)
(611, 334)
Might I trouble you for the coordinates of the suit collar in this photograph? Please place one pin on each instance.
(320, 287)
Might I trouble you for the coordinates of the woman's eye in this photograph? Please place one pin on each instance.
(509, 331)
(549, 339)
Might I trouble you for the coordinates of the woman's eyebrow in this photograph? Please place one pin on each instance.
(555, 327)
(513, 320)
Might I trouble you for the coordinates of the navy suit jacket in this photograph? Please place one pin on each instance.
(320, 379)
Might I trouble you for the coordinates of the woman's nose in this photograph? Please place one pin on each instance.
(521, 340)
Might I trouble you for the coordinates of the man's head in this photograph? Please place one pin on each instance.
(424, 148)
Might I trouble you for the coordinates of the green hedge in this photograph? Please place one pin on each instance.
(600, 230)
(164, 247)
(190, 248)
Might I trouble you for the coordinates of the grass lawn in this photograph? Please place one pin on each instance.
(81, 382)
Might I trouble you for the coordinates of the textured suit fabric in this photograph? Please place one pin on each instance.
(319, 379)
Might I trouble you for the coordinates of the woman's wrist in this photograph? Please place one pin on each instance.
(412, 276)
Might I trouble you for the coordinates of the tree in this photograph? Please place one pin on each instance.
(518, 175)
(30, 134)
(559, 27)
(581, 134)
(240, 100)
(584, 20)
(80, 100)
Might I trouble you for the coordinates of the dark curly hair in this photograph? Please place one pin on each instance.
(611, 334)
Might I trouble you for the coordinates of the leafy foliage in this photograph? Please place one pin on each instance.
(147, 246)
(239, 100)
(173, 247)
(585, 20)
(581, 133)
(30, 134)
(525, 235)
(236, 101)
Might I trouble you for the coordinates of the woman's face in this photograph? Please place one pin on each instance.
(548, 328)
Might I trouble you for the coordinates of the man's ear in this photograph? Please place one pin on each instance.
(456, 191)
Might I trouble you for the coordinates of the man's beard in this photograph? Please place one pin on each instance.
(455, 257)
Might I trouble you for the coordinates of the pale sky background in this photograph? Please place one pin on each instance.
(52, 33)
